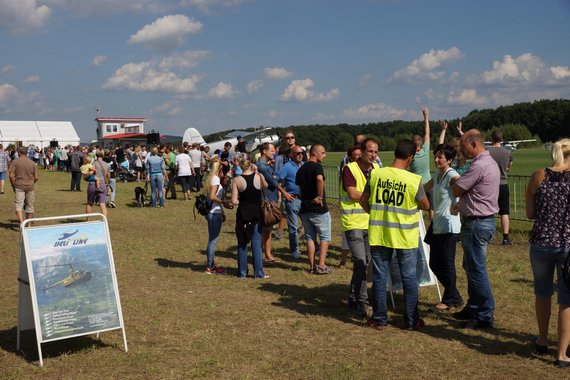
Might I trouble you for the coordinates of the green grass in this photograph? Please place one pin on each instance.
(525, 161)
(181, 323)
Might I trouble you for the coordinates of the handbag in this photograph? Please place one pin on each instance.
(566, 266)
(270, 211)
(429, 238)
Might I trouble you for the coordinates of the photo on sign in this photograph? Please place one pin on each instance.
(73, 280)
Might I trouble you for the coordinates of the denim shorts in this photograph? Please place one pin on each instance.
(3, 176)
(317, 224)
(543, 261)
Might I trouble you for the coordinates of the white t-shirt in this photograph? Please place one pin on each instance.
(216, 207)
(196, 157)
(184, 164)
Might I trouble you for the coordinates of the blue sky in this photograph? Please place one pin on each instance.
(222, 64)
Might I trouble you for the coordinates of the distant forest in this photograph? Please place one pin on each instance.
(544, 120)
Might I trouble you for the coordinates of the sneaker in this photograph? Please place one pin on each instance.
(372, 323)
(464, 315)
(507, 242)
(476, 324)
(112, 205)
(217, 270)
(277, 235)
(208, 271)
(296, 254)
(322, 269)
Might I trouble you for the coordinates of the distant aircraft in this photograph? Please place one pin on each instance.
(252, 139)
(512, 144)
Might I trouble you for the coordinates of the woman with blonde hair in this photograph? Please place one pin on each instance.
(548, 203)
(246, 193)
(214, 190)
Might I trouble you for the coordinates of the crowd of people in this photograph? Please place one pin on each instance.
(380, 208)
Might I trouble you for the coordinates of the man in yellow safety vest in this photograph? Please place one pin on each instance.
(355, 222)
(392, 197)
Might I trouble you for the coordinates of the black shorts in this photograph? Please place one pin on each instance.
(504, 200)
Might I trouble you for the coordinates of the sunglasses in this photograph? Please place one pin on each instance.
(298, 153)
(289, 137)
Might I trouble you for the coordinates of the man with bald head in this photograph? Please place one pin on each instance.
(478, 190)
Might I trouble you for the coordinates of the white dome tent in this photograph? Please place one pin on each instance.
(37, 133)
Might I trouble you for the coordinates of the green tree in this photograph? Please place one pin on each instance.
(342, 142)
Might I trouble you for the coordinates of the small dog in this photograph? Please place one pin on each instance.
(140, 195)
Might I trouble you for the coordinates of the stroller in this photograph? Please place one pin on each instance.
(124, 173)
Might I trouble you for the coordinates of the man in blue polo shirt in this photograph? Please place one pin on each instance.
(288, 173)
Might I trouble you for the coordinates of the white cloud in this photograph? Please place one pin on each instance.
(378, 111)
(148, 76)
(167, 108)
(7, 92)
(23, 16)
(222, 91)
(424, 68)
(467, 97)
(99, 60)
(272, 114)
(7, 69)
(299, 91)
(254, 86)
(364, 80)
(166, 32)
(525, 68)
(32, 79)
(182, 60)
(11, 98)
(276, 73)
(560, 72)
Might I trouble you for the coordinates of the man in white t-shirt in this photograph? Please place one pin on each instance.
(184, 171)
(196, 157)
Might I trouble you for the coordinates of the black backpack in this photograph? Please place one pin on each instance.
(202, 205)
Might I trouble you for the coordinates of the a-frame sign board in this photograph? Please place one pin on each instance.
(67, 284)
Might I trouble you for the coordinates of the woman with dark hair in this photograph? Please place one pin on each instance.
(445, 227)
(246, 193)
(548, 203)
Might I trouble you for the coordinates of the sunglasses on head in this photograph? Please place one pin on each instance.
(289, 137)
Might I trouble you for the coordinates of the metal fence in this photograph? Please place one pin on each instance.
(517, 187)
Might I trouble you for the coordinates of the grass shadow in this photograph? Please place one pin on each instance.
(28, 345)
(318, 301)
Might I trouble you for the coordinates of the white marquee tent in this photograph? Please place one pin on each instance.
(37, 133)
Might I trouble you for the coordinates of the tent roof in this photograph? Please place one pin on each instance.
(37, 130)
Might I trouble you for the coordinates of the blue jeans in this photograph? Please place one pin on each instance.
(475, 235)
(407, 262)
(317, 225)
(214, 228)
(156, 185)
(113, 186)
(545, 261)
(293, 208)
(255, 253)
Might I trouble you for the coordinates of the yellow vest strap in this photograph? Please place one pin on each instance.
(353, 211)
(397, 210)
(402, 226)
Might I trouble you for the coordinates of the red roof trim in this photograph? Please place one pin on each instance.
(124, 136)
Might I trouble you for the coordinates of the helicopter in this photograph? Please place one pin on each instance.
(76, 277)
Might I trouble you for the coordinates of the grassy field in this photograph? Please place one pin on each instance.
(181, 323)
(525, 161)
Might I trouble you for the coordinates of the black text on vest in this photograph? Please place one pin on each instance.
(390, 192)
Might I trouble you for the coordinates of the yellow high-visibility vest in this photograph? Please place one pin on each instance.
(394, 217)
(352, 215)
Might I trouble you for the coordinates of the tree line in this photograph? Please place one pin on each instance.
(544, 120)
